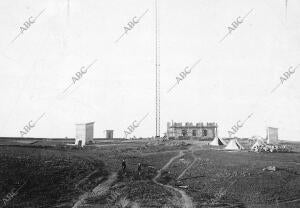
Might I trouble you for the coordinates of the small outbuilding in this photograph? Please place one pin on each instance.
(84, 134)
(272, 135)
(109, 134)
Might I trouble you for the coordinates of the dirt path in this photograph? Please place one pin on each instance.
(290, 201)
(168, 164)
(85, 178)
(161, 152)
(191, 165)
(101, 189)
(188, 203)
(184, 171)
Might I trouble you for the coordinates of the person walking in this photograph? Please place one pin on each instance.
(139, 169)
(124, 166)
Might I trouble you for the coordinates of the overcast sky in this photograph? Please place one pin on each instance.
(233, 79)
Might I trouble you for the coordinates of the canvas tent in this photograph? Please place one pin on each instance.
(217, 142)
(234, 145)
(258, 143)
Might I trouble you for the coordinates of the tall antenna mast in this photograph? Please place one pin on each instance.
(157, 73)
(68, 11)
(286, 8)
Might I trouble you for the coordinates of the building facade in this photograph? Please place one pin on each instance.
(197, 131)
(84, 134)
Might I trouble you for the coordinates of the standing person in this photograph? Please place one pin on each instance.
(123, 165)
(139, 169)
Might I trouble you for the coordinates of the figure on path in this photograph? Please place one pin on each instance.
(139, 169)
(124, 166)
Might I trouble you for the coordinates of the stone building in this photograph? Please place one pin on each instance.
(198, 131)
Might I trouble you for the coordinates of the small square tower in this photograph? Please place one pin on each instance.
(109, 134)
(84, 133)
(272, 135)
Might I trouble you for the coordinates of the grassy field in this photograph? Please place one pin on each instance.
(50, 174)
(56, 176)
(229, 178)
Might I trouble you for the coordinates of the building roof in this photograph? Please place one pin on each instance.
(192, 125)
(85, 123)
(212, 126)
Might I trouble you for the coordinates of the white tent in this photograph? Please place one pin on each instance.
(258, 143)
(217, 142)
(234, 145)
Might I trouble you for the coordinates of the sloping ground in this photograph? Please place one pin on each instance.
(49, 176)
(62, 178)
(186, 200)
(140, 190)
(89, 198)
(59, 176)
(226, 179)
(149, 194)
(156, 156)
(144, 191)
(176, 169)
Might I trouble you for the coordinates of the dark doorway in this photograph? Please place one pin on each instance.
(204, 132)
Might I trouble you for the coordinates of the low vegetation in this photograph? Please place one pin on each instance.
(58, 175)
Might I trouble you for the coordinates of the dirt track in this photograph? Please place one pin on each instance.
(191, 165)
(188, 203)
(98, 190)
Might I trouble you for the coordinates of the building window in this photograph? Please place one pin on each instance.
(194, 133)
(184, 132)
(204, 132)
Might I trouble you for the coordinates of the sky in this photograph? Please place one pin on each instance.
(232, 79)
